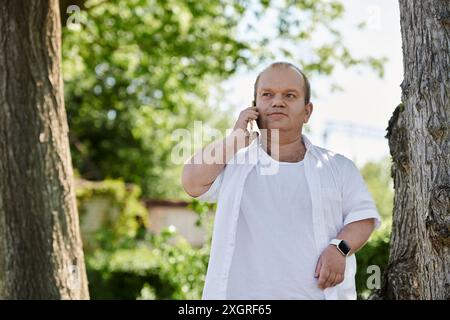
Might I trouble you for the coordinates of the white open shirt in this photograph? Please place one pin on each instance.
(339, 196)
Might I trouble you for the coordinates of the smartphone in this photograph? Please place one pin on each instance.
(257, 120)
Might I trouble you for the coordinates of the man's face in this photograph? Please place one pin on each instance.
(280, 100)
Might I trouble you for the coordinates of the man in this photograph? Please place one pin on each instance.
(290, 233)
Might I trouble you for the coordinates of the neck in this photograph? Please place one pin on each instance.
(288, 148)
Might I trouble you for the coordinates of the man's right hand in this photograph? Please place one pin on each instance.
(198, 176)
(240, 127)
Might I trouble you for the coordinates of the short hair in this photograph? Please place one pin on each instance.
(307, 87)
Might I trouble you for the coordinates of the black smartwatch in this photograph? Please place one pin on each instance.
(342, 246)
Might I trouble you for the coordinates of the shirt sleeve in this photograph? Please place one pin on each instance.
(212, 194)
(357, 202)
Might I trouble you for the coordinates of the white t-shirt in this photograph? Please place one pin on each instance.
(275, 255)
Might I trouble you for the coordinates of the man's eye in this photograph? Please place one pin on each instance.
(290, 95)
(265, 94)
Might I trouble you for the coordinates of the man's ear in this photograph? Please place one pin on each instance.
(308, 110)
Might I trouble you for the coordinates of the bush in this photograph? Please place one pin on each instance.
(159, 271)
(111, 214)
(124, 261)
(375, 252)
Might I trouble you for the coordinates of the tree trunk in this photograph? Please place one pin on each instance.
(418, 133)
(41, 254)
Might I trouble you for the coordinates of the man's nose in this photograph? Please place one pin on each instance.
(278, 101)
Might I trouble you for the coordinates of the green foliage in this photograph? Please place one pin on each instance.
(136, 70)
(377, 176)
(123, 220)
(376, 250)
(202, 208)
(156, 271)
(125, 261)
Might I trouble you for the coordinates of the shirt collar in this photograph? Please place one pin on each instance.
(310, 148)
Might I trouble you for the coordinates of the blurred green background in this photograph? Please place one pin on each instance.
(134, 72)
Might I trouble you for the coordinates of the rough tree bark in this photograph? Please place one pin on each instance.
(418, 133)
(41, 253)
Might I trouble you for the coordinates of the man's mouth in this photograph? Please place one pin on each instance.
(277, 114)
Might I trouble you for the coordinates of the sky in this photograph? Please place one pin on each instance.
(355, 119)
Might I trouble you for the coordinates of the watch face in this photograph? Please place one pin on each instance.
(344, 247)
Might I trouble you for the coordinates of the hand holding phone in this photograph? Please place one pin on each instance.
(244, 124)
(252, 128)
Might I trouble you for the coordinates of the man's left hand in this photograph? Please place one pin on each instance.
(330, 268)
